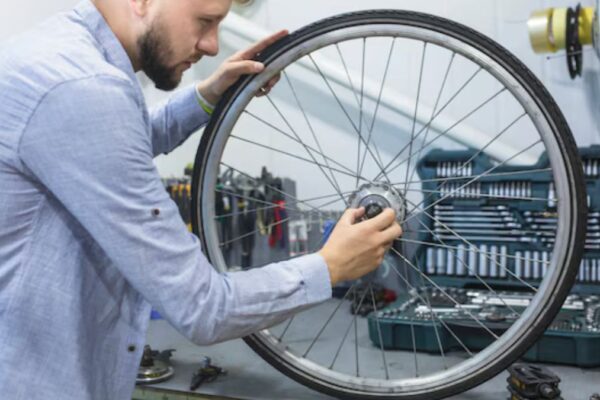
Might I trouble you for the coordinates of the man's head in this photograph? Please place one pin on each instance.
(165, 37)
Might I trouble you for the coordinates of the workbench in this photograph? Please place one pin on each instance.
(250, 377)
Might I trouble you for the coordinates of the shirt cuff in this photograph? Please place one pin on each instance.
(183, 105)
(315, 278)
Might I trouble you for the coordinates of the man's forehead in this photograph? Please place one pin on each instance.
(215, 9)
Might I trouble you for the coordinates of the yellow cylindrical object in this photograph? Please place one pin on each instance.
(559, 28)
(586, 19)
(539, 31)
(548, 29)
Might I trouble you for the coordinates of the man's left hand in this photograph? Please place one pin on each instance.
(237, 65)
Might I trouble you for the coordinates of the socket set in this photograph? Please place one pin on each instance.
(447, 169)
(455, 190)
(497, 223)
(496, 232)
(573, 338)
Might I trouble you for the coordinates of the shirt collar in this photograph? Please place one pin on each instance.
(113, 49)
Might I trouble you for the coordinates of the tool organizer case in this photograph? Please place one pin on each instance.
(509, 220)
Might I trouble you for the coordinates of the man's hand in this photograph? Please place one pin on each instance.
(235, 66)
(355, 249)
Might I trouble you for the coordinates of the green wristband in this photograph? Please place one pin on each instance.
(206, 106)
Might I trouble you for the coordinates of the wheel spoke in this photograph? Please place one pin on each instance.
(254, 232)
(414, 121)
(315, 209)
(412, 331)
(351, 174)
(437, 100)
(352, 322)
(339, 51)
(287, 326)
(474, 271)
(372, 126)
(356, 337)
(452, 299)
(433, 313)
(342, 58)
(360, 116)
(312, 131)
(478, 251)
(480, 151)
(398, 154)
(296, 140)
(489, 196)
(306, 148)
(385, 366)
(472, 246)
(295, 200)
(497, 174)
(435, 328)
(329, 320)
(478, 177)
(339, 102)
(443, 133)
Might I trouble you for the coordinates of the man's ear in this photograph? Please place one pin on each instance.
(140, 7)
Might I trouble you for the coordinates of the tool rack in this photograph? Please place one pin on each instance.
(496, 225)
(510, 231)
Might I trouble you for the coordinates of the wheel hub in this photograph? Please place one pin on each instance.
(375, 197)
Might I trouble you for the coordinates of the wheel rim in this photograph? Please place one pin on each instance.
(459, 371)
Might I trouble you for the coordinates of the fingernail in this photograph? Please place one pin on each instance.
(258, 67)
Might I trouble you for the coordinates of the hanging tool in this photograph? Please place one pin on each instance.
(277, 216)
(224, 211)
(246, 216)
(298, 237)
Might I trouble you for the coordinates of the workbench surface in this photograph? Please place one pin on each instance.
(250, 377)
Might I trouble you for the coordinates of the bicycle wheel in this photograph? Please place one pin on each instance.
(343, 139)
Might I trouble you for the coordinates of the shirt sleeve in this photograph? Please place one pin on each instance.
(174, 120)
(88, 145)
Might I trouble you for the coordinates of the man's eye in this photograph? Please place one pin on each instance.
(203, 23)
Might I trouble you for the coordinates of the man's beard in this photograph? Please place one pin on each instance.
(154, 55)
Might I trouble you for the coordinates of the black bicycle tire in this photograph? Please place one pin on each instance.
(528, 81)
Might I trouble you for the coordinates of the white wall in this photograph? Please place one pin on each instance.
(503, 20)
(19, 16)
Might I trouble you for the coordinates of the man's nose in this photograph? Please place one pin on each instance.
(209, 44)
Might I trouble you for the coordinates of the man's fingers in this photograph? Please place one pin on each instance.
(246, 67)
(259, 46)
(391, 233)
(383, 220)
(351, 215)
(358, 214)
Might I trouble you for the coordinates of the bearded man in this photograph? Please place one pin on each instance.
(89, 238)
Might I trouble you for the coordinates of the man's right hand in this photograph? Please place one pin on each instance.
(355, 249)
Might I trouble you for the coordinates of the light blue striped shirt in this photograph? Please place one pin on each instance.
(82, 254)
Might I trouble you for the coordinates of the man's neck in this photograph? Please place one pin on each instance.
(119, 18)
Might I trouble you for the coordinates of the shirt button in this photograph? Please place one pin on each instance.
(302, 282)
(131, 348)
